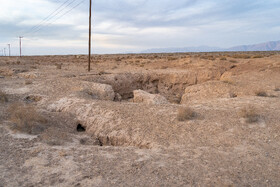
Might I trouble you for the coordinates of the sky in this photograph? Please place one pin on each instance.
(123, 26)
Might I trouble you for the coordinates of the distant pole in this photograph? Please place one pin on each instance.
(89, 39)
(4, 51)
(20, 45)
(9, 45)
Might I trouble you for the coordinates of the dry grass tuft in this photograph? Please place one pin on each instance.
(233, 61)
(242, 56)
(3, 97)
(261, 93)
(185, 113)
(232, 95)
(277, 89)
(26, 119)
(258, 56)
(27, 82)
(250, 114)
(58, 66)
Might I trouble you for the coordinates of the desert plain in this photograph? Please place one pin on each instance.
(182, 119)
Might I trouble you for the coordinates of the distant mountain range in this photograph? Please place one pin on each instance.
(267, 46)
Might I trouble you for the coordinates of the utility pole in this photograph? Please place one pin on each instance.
(9, 45)
(89, 39)
(20, 37)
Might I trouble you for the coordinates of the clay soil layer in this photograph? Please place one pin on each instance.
(186, 119)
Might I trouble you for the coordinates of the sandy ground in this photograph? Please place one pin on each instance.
(138, 144)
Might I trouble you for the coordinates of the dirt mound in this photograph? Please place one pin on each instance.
(141, 96)
(169, 84)
(209, 90)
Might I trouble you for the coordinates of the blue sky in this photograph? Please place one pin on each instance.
(121, 26)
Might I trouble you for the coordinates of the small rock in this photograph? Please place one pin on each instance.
(100, 91)
(141, 96)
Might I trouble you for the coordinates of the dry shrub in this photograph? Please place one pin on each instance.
(228, 81)
(27, 82)
(58, 66)
(223, 58)
(3, 97)
(172, 58)
(203, 57)
(261, 93)
(233, 61)
(277, 89)
(211, 58)
(250, 114)
(26, 119)
(208, 57)
(244, 56)
(118, 59)
(258, 56)
(32, 98)
(185, 113)
(232, 95)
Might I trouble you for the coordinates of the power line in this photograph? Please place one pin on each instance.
(51, 16)
(47, 17)
(59, 17)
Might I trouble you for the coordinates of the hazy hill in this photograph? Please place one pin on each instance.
(267, 46)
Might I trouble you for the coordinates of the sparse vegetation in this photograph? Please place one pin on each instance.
(185, 113)
(250, 114)
(242, 56)
(232, 95)
(26, 119)
(277, 89)
(228, 81)
(207, 57)
(258, 56)
(32, 98)
(3, 97)
(172, 58)
(58, 66)
(27, 82)
(261, 93)
(233, 61)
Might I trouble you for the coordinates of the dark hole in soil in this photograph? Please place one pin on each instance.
(100, 143)
(80, 128)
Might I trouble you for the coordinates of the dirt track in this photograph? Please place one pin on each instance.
(137, 144)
